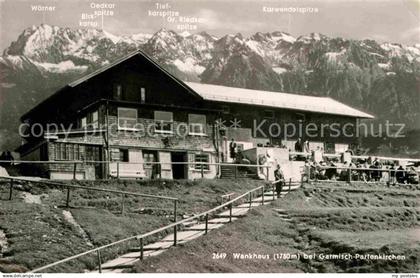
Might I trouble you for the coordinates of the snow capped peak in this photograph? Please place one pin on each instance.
(206, 35)
(185, 34)
(283, 36)
(335, 56)
(141, 37)
(273, 38)
(165, 34)
(316, 36)
(311, 37)
(113, 38)
(239, 36)
(398, 50)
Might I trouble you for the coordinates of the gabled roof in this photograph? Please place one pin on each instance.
(228, 94)
(105, 68)
(125, 58)
(102, 69)
(275, 99)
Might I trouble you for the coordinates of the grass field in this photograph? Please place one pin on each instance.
(321, 220)
(38, 229)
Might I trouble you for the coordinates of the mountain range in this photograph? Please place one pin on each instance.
(380, 78)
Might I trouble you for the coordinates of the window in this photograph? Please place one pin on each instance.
(64, 151)
(148, 158)
(268, 114)
(329, 147)
(197, 124)
(142, 95)
(83, 122)
(117, 93)
(95, 119)
(69, 152)
(127, 118)
(202, 158)
(163, 121)
(123, 155)
(93, 153)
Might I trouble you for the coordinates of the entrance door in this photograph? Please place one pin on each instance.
(179, 171)
(148, 157)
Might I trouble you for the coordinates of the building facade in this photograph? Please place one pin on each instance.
(142, 122)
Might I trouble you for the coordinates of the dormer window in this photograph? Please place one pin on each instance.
(95, 119)
(142, 95)
(83, 122)
(117, 93)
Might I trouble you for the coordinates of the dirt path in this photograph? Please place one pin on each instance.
(70, 219)
(193, 231)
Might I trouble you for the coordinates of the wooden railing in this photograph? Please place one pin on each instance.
(71, 186)
(173, 226)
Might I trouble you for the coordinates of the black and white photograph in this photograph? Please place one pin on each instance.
(209, 137)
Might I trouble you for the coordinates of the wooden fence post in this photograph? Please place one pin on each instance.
(74, 170)
(175, 227)
(266, 177)
(274, 191)
(175, 207)
(175, 235)
(236, 172)
(68, 197)
(349, 175)
(262, 195)
(290, 184)
(99, 261)
(11, 189)
(250, 200)
(122, 203)
(230, 212)
(141, 249)
(202, 171)
(207, 224)
(389, 177)
(309, 174)
(118, 170)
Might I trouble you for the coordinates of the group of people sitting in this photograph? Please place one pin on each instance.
(363, 170)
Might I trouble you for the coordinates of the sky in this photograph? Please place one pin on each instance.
(383, 20)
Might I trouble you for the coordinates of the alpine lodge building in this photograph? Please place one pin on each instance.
(132, 114)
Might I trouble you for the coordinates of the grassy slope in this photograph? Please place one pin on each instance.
(324, 221)
(38, 234)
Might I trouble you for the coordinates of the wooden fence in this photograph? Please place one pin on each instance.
(71, 186)
(140, 238)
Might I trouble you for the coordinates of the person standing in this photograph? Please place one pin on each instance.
(306, 146)
(232, 149)
(299, 146)
(278, 180)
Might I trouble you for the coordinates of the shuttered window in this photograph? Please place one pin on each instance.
(197, 124)
(127, 118)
